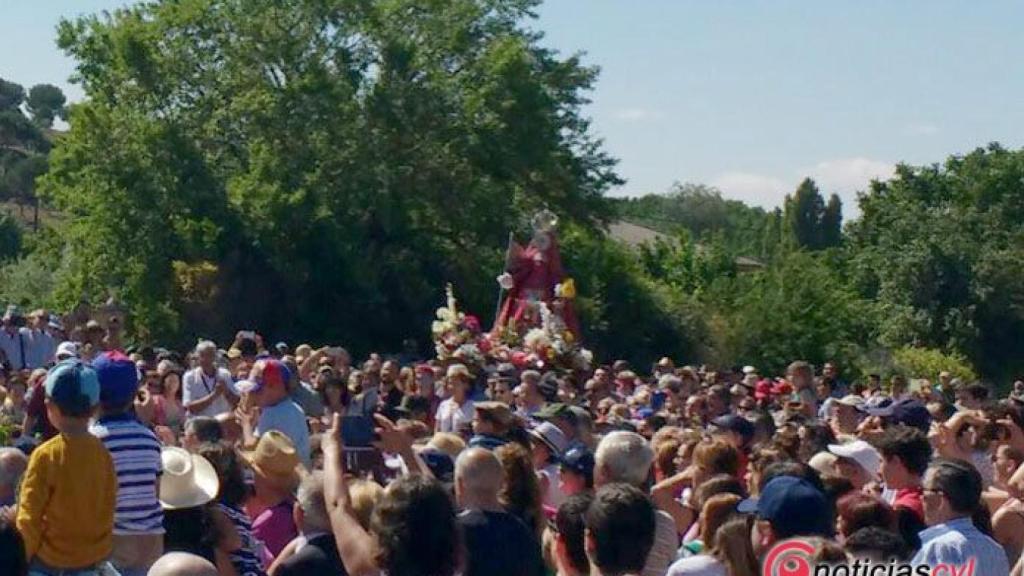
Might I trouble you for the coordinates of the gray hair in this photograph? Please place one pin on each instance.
(480, 472)
(624, 457)
(670, 381)
(12, 466)
(314, 506)
(206, 346)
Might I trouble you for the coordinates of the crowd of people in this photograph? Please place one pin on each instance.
(255, 460)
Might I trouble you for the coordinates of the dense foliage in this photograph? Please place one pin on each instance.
(319, 170)
(315, 169)
(940, 250)
(928, 276)
(24, 143)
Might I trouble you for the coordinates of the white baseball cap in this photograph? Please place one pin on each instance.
(66, 350)
(861, 452)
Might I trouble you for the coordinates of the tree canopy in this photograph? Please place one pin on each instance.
(336, 161)
(319, 170)
(45, 103)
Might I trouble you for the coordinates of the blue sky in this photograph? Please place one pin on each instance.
(750, 96)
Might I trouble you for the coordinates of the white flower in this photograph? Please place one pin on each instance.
(536, 339)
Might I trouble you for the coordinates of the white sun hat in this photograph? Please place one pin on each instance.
(188, 480)
(862, 453)
(66, 350)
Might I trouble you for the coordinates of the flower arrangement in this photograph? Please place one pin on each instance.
(457, 336)
(551, 345)
(554, 345)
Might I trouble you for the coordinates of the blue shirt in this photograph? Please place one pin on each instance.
(39, 349)
(958, 542)
(287, 418)
(136, 454)
(16, 347)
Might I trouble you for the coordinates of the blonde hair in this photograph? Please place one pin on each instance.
(406, 379)
(364, 495)
(732, 547)
(450, 444)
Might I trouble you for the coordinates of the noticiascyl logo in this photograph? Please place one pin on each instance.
(796, 558)
(789, 558)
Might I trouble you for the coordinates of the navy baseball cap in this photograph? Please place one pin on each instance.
(908, 412)
(735, 423)
(118, 377)
(579, 460)
(440, 464)
(877, 406)
(793, 506)
(912, 412)
(73, 386)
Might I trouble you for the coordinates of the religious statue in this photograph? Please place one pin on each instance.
(534, 276)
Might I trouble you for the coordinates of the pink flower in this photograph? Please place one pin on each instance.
(472, 323)
(484, 345)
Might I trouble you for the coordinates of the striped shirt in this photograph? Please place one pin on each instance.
(136, 454)
(246, 560)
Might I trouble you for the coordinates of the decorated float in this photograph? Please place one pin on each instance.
(535, 325)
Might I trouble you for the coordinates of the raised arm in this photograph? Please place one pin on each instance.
(355, 544)
(663, 496)
(397, 441)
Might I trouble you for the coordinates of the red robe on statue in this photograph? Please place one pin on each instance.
(535, 271)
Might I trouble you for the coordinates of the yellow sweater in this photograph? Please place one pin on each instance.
(67, 501)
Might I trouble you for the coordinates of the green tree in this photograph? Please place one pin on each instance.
(660, 318)
(796, 309)
(928, 363)
(804, 211)
(774, 228)
(45, 102)
(10, 237)
(337, 161)
(941, 249)
(702, 212)
(23, 149)
(11, 95)
(832, 223)
(19, 135)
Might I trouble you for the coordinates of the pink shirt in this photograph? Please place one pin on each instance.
(275, 527)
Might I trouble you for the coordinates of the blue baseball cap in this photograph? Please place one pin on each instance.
(579, 460)
(72, 386)
(440, 464)
(793, 506)
(118, 377)
(735, 423)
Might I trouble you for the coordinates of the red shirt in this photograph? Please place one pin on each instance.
(910, 498)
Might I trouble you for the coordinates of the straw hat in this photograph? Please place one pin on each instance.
(188, 480)
(275, 459)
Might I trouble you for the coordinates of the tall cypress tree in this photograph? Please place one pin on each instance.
(805, 210)
(832, 223)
